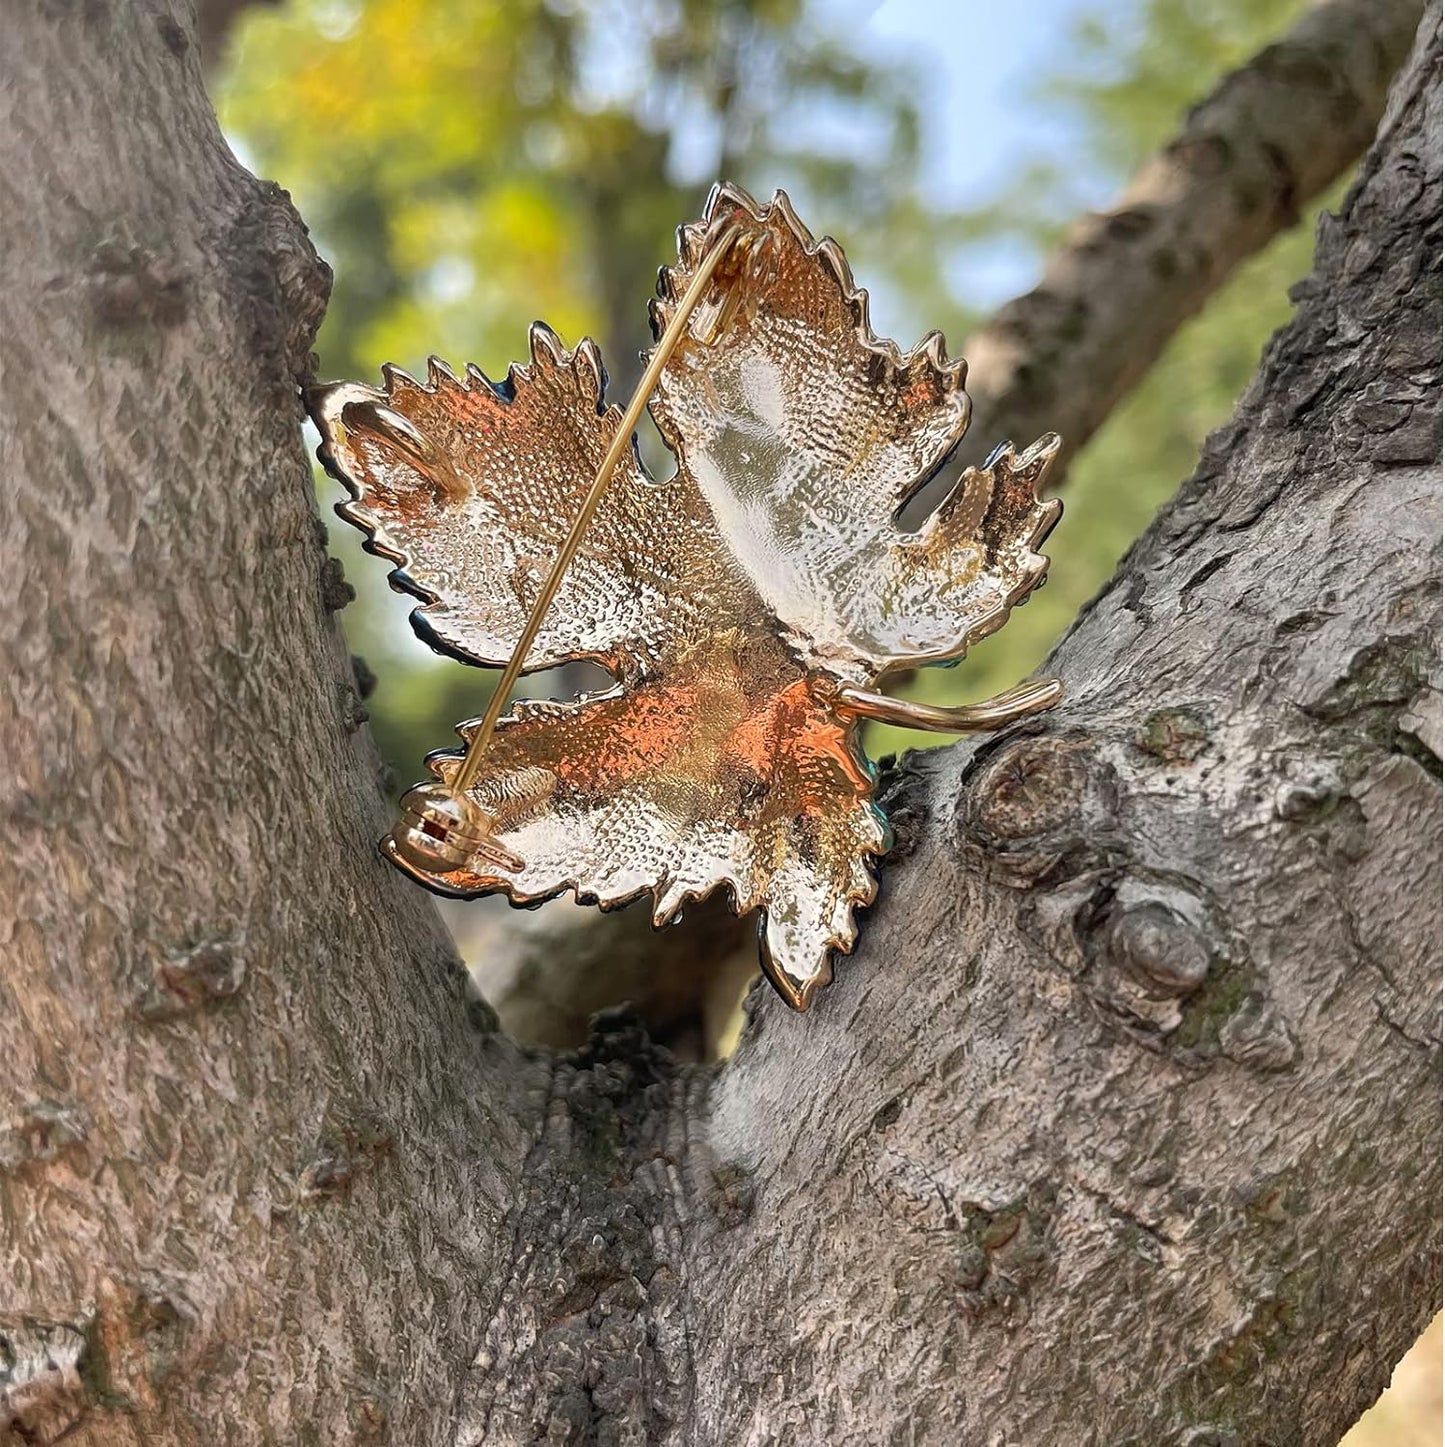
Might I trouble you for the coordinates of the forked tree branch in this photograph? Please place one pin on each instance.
(1122, 1126)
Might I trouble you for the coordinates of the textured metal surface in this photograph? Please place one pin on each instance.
(730, 603)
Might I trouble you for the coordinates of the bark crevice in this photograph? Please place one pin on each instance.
(587, 1338)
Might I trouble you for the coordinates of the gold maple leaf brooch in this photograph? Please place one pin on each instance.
(747, 607)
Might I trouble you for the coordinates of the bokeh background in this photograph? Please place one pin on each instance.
(469, 165)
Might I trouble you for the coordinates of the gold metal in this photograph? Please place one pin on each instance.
(438, 831)
(1031, 697)
(748, 611)
(410, 444)
(622, 441)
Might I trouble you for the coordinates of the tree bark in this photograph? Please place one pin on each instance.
(1122, 1126)
(257, 1151)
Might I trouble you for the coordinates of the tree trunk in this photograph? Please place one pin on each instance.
(1121, 1127)
(256, 1153)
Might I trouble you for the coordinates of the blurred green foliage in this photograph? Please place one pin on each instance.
(468, 166)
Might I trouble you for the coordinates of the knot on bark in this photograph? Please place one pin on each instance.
(136, 287)
(336, 592)
(1256, 1035)
(731, 1194)
(1035, 801)
(353, 712)
(1155, 954)
(1161, 951)
(40, 1131)
(1176, 735)
(987, 1253)
(999, 1253)
(193, 977)
(1140, 941)
(348, 1141)
(285, 284)
(1311, 794)
(113, 1357)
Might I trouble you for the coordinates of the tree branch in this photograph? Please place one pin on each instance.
(1271, 136)
(1124, 1124)
(241, 1087)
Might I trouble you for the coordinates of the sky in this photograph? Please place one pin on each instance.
(986, 118)
(980, 60)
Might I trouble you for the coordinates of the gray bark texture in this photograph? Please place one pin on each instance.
(1122, 1126)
